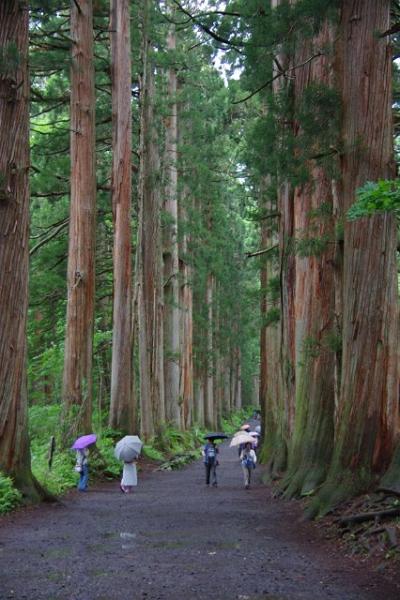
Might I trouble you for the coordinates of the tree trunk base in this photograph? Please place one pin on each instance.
(336, 490)
(32, 491)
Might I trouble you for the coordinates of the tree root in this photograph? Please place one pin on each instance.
(360, 517)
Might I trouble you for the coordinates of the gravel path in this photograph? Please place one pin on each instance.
(175, 538)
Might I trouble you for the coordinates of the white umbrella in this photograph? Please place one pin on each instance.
(245, 438)
(128, 448)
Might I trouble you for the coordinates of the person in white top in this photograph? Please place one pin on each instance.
(129, 477)
(248, 459)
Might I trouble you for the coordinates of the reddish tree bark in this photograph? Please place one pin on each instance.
(14, 246)
(368, 410)
(274, 442)
(77, 379)
(122, 408)
(150, 299)
(312, 441)
(172, 313)
(186, 389)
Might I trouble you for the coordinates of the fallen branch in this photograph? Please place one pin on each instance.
(359, 518)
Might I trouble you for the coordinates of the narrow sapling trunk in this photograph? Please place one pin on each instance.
(122, 408)
(273, 449)
(77, 379)
(186, 324)
(209, 408)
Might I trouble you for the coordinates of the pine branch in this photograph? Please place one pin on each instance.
(263, 251)
(46, 239)
(207, 30)
(283, 72)
(49, 109)
(394, 29)
(48, 195)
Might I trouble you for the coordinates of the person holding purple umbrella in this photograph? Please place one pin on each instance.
(82, 467)
(82, 459)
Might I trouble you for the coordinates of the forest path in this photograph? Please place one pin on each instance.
(175, 538)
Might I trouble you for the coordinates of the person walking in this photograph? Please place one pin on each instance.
(210, 452)
(129, 477)
(248, 459)
(82, 467)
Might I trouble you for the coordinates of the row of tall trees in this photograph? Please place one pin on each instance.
(137, 285)
(164, 176)
(329, 299)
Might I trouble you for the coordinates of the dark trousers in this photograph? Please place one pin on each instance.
(83, 479)
(211, 470)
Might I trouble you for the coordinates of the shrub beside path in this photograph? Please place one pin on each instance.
(175, 538)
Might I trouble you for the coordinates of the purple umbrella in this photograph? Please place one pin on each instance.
(84, 441)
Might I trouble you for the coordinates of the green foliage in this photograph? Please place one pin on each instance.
(10, 497)
(274, 288)
(333, 339)
(152, 453)
(311, 348)
(311, 246)
(44, 422)
(272, 317)
(376, 197)
(236, 420)
(172, 441)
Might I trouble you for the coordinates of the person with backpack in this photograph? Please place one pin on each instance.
(248, 459)
(210, 452)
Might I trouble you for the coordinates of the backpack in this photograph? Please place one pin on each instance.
(210, 454)
(248, 462)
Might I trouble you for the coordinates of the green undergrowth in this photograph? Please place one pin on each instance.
(237, 419)
(170, 449)
(10, 498)
(175, 448)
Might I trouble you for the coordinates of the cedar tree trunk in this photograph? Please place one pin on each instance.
(368, 409)
(122, 408)
(77, 379)
(14, 246)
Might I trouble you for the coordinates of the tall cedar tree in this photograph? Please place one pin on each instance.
(172, 313)
(312, 441)
(14, 249)
(122, 409)
(149, 277)
(77, 379)
(368, 410)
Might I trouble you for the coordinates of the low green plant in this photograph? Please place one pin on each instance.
(149, 451)
(9, 497)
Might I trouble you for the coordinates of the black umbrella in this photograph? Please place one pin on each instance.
(216, 436)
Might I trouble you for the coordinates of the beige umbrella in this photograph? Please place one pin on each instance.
(243, 438)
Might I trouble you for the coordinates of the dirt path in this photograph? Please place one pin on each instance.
(174, 538)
